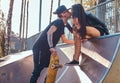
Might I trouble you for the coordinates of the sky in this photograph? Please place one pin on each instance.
(33, 22)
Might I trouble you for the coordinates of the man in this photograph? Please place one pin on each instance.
(45, 44)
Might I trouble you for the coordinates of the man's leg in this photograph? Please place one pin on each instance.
(35, 74)
(37, 67)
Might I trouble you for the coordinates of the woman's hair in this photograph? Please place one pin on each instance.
(78, 11)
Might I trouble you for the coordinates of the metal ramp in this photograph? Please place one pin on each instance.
(101, 58)
(100, 63)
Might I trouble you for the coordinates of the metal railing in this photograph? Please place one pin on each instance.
(108, 12)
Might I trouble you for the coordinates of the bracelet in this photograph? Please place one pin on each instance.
(51, 46)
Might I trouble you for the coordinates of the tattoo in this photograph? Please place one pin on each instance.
(49, 38)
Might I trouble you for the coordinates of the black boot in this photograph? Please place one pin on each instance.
(72, 63)
(33, 80)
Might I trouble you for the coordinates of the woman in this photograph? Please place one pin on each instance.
(85, 26)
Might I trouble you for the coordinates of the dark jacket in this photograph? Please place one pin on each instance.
(91, 20)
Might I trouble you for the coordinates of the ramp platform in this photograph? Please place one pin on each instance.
(100, 63)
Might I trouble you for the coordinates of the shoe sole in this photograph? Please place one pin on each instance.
(72, 64)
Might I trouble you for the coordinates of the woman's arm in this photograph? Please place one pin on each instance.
(65, 40)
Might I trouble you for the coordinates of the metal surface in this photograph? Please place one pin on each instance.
(100, 63)
(17, 68)
(106, 47)
(114, 72)
(100, 58)
(109, 13)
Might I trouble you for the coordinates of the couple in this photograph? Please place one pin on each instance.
(85, 25)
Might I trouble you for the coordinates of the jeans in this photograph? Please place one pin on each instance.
(37, 66)
(41, 60)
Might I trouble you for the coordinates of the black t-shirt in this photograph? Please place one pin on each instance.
(42, 40)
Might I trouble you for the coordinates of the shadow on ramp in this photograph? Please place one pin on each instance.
(16, 68)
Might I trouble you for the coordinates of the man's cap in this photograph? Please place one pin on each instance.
(60, 10)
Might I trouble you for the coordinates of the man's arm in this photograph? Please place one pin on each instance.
(65, 40)
(50, 36)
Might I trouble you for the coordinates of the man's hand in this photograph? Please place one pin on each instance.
(53, 51)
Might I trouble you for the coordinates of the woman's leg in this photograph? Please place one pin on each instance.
(92, 32)
(77, 45)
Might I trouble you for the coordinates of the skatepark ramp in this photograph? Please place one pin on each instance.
(100, 63)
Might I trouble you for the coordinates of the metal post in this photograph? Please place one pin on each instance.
(51, 11)
(27, 24)
(81, 2)
(40, 9)
(59, 1)
(21, 19)
(116, 16)
(23, 38)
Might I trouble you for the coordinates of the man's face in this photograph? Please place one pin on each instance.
(66, 14)
(69, 13)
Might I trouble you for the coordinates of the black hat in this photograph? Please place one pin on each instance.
(60, 10)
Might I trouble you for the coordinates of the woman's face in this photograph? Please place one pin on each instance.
(76, 22)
